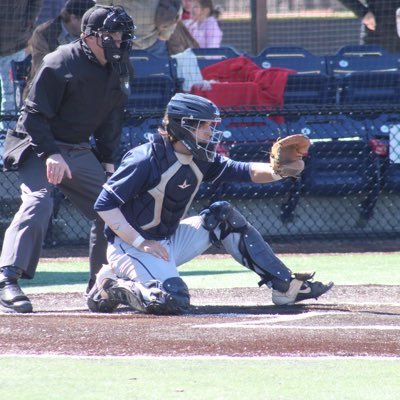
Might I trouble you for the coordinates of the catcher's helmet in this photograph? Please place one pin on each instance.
(186, 113)
(100, 20)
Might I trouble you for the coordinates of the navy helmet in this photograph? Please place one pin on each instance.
(186, 113)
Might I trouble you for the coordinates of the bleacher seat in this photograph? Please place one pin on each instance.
(365, 74)
(19, 72)
(340, 161)
(310, 84)
(207, 56)
(154, 81)
(136, 132)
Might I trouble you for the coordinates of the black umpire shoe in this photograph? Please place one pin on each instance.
(12, 298)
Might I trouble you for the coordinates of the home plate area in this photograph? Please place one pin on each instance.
(347, 321)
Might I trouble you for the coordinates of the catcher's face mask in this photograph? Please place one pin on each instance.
(193, 121)
(203, 139)
(200, 137)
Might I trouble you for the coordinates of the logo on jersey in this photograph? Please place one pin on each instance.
(185, 185)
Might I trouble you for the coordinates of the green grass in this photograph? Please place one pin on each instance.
(56, 378)
(353, 269)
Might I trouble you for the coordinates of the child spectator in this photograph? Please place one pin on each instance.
(203, 24)
(186, 6)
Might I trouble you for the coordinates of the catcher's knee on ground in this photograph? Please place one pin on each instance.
(153, 297)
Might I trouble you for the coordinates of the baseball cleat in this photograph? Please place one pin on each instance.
(126, 292)
(98, 300)
(300, 289)
(312, 290)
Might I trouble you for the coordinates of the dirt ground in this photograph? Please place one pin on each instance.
(347, 321)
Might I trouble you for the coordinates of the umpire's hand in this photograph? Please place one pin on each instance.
(57, 168)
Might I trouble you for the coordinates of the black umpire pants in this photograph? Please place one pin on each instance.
(24, 237)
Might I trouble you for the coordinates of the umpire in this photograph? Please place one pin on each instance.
(78, 92)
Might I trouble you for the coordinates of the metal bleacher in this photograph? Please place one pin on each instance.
(364, 74)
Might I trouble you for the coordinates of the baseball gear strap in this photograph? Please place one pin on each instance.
(287, 154)
(257, 255)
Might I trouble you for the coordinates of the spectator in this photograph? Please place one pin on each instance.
(378, 22)
(65, 28)
(50, 9)
(173, 34)
(17, 21)
(186, 5)
(160, 30)
(77, 92)
(203, 24)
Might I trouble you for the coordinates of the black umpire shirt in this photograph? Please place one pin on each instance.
(72, 97)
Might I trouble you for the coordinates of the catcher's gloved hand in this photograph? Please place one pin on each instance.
(287, 154)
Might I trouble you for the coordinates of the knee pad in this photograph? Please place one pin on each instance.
(178, 297)
(221, 214)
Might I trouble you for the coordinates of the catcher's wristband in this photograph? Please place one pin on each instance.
(138, 241)
(274, 175)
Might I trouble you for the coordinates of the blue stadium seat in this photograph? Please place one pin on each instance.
(249, 138)
(208, 56)
(19, 75)
(365, 74)
(136, 132)
(154, 81)
(310, 85)
(340, 161)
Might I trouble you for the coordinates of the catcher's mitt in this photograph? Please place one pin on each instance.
(287, 154)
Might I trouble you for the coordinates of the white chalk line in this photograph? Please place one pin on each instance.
(303, 328)
(204, 357)
(275, 322)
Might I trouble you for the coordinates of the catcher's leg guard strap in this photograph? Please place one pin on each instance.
(256, 254)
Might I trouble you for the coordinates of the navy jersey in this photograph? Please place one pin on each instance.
(154, 186)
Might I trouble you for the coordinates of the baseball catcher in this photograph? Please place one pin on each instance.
(144, 203)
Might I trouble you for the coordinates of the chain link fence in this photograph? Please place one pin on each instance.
(343, 97)
(350, 187)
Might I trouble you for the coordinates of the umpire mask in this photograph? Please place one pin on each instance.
(101, 21)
